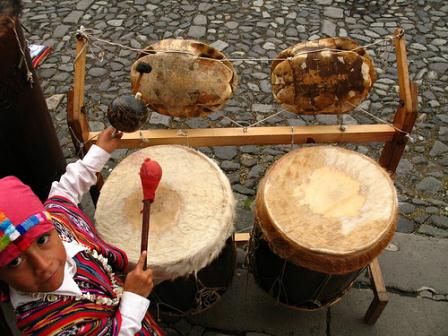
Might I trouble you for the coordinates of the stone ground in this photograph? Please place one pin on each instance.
(260, 29)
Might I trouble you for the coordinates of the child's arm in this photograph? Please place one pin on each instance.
(81, 175)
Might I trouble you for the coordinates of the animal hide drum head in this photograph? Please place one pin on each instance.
(187, 78)
(191, 217)
(330, 75)
(327, 208)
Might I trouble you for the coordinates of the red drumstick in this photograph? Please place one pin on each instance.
(150, 175)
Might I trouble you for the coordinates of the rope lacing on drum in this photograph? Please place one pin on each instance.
(315, 300)
(253, 247)
(159, 303)
(254, 244)
(278, 283)
(204, 298)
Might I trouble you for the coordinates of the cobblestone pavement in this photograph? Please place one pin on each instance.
(259, 29)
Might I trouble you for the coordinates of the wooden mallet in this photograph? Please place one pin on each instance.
(141, 68)
(150, 175)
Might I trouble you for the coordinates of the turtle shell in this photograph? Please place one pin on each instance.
(187, 78)
(330, 75)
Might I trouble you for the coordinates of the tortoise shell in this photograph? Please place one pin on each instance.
(187, 78)
(330, 75)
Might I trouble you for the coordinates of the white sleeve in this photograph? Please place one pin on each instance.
(133, 308)
(80, 175)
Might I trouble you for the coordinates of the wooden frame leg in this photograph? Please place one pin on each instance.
(380, 298)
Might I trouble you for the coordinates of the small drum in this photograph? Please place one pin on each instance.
(323, 214)
(190, 248)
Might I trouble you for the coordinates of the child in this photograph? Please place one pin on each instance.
(59, 274)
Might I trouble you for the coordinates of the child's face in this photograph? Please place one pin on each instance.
(38, 269)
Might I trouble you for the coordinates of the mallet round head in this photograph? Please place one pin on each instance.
(150, 175)
(127, 113)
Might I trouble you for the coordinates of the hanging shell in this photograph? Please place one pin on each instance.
(331, 75)
(187, 78)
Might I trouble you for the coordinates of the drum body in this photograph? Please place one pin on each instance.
(190, 248)
(293, 285)
(323, 214)
(195, 293)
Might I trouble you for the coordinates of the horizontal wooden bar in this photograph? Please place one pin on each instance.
(273, 135)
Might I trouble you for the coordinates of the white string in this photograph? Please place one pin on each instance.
(386, 49)
(233, 121)
(85, 33)
(262, 120)
(251, 125)
(80, 143)
(377, 118)
(89, 36)
(292, 137)
(99, 57)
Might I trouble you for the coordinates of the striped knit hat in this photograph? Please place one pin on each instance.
(22, 218)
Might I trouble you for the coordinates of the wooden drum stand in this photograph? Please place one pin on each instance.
(392, 135)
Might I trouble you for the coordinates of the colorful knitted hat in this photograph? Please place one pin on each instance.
(22, 218)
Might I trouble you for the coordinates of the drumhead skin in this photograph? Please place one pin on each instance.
(187, 79)
(330, 75)
(327, 208)
(191, 217)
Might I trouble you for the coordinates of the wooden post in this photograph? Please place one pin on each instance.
(28, 143)
(406, 113)
(404, 121)
(76, 114)
(380, 298)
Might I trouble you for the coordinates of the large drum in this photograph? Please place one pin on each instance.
(323, 214)
(190, 247)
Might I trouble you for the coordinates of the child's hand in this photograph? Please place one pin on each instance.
(108, 142)
(139, 281)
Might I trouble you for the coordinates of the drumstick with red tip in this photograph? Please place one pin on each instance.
(150, 175)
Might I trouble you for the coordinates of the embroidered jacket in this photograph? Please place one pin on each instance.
(66, 315)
